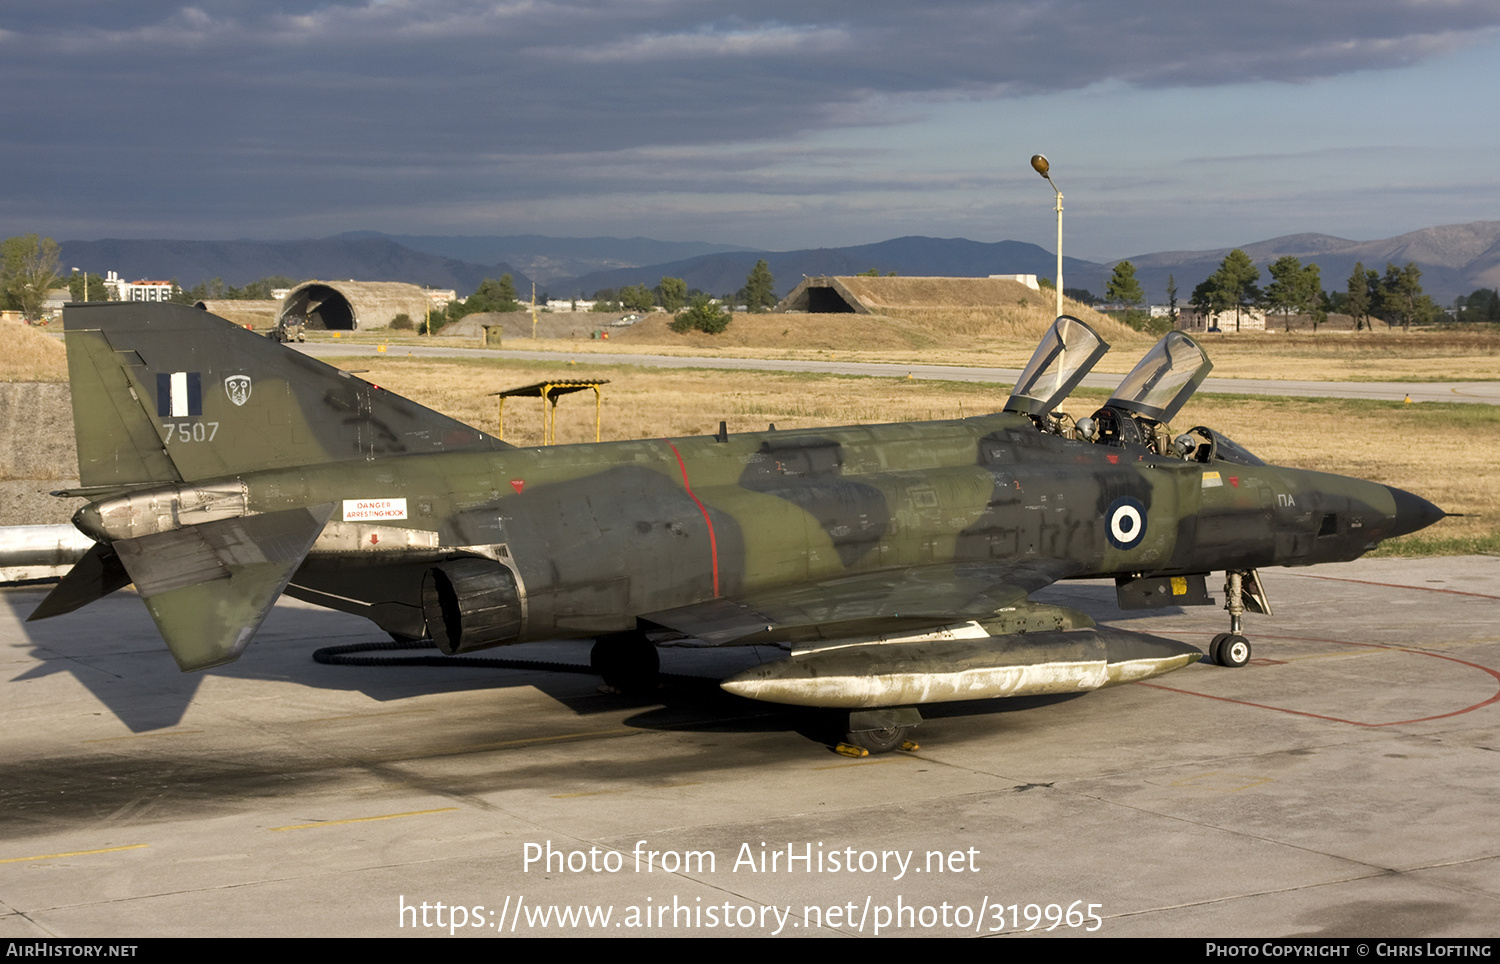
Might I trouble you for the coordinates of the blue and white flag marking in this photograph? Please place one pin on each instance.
(179, 394)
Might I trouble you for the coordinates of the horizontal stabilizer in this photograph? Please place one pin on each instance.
(95, 576)
(210, 586)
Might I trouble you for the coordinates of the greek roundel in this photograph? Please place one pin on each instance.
(1126, 522)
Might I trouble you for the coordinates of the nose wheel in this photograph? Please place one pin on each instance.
(1230, 649)
(1243, 593)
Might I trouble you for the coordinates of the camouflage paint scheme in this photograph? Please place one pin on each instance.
(224, 469)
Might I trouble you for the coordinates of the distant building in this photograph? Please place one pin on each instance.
(865, 295)
(350, 305)
(1250, 319)
(142, 290)
(1029, 280)
(56, 298)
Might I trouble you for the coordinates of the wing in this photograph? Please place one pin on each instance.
(928, 634)
(868, 605)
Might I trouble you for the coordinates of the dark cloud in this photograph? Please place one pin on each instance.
(230, 106)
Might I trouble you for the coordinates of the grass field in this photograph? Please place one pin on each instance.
(1005, 339)
(29, 355)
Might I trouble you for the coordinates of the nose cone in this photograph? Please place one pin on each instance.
(1412, 512)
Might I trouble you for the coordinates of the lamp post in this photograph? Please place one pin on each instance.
(85, 284)
(1040, 165)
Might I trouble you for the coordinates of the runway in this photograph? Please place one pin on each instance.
(1484, 393)
(1342, 784)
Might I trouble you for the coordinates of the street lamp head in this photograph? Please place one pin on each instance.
(1040, 165)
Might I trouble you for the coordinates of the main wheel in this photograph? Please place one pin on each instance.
(883, 740)
(628, 662)
(1233, 651)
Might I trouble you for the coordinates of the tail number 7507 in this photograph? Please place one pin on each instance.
(182, 432)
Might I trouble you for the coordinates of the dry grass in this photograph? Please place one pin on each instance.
(28, 355)
(1356, 356)
(1004, 336)
(1444, 453)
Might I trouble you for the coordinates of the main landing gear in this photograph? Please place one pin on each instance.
(879, 731)
(628, 662)
(1243, 592)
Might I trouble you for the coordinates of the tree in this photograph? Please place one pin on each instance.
(759, 291)
(1123, 288)
(1232, 286)
(1400, 299)
(1315, 305)
(702, 315)
(87, 286)
(1481, 306)
(637, 298)
(1209, 300)
(491, 295)
(1295, 289)
(671, 293)
(1357, 302)
(1172, 300)
(28, 270)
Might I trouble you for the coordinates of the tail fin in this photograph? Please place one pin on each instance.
(167, 393)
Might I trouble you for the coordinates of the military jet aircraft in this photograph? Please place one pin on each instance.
(892, 562)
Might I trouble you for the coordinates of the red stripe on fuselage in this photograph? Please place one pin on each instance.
(713, 541)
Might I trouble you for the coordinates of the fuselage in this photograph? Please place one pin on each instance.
(594, 536)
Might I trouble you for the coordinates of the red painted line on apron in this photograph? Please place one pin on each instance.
(713, 541)
(1334, 719)
(1393, 585)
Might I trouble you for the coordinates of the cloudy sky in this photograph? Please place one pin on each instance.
(1169, 123)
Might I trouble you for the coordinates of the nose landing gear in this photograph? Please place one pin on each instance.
(1243, 592)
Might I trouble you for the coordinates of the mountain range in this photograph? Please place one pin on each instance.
(1455, 259)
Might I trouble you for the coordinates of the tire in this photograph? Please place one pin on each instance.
(883, 740)
(1234, 651)
(628, 663)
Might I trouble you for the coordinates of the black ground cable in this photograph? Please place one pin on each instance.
(344, 656)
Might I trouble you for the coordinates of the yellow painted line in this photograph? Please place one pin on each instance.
(73, 853)
(601, 793)
(384, 816)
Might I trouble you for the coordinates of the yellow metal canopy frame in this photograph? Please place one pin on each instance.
(549, 392)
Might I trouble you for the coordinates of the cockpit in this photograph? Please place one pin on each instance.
(1138, 413)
